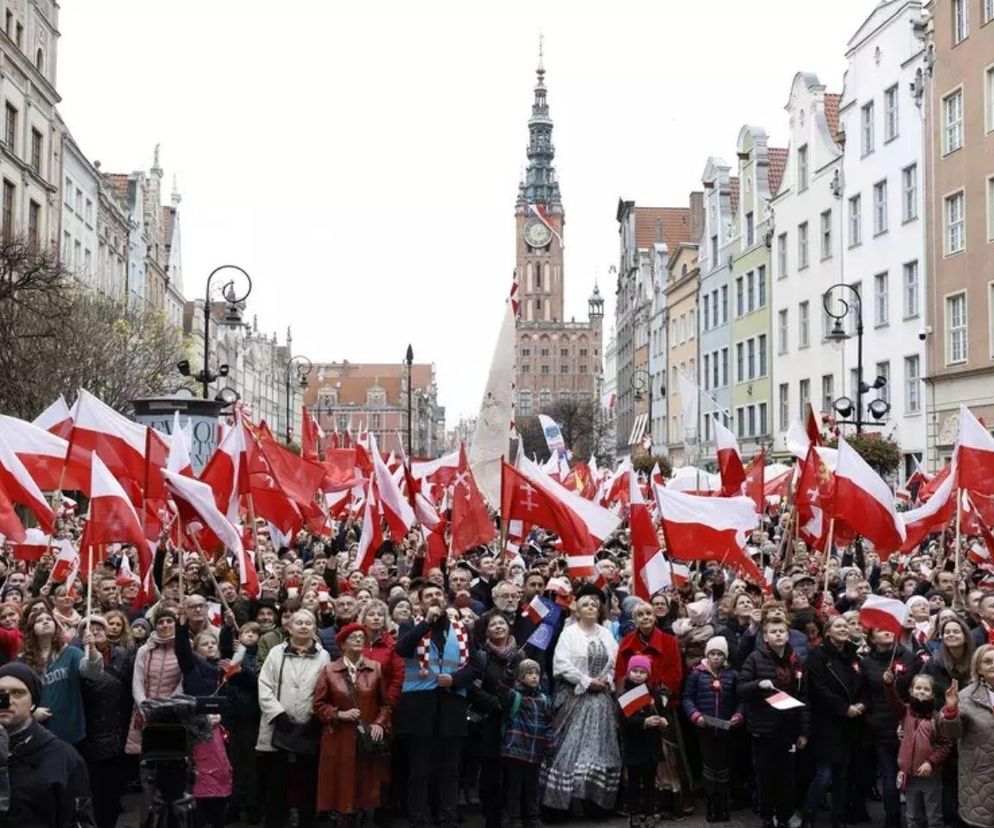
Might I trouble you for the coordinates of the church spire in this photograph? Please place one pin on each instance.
(540, 186)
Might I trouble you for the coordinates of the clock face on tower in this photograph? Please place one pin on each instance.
(536, 234)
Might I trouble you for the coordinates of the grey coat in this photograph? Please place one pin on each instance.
(973, 725)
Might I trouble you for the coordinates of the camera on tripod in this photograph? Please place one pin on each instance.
(171, 727)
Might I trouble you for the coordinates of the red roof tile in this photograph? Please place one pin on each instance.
(119, 182)
(734, 192)
(358, 378)
(832, 112)
(777, 156)
(674, 222)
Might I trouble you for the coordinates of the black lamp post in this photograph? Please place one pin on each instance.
(837, 337)
(409, 358)
(641, 381)
(232, 317)
(303, 367)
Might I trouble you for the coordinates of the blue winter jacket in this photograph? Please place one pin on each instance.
(701, 698)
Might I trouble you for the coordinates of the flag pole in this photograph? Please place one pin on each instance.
(255, 527)
(210, 573)
(959, 505)
(828, 549)
(89, 590)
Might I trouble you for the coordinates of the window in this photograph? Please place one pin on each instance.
(955, 223)
(827, 391)
(866, 128)
(538, 306)
(781, 255)
(855, 221)
(912, 385)
(783, 403)
(716, 381)
(526, 352)
(880, 303)
(740, 422)
(952, 120)
(763, 421)
(8, 209)
(750, 359)
(910, 284)
(909, 193)
(724, 304)
(8, 27)
(988, 10)
(750, 230)
(79, 202)
(826, 234)
(761, 286)
(87, 262)
(707, 372)
(36, 150)
(750, 291)
(706, 312)
(564, 369)
(880, 207)
(751, 416)
(883, 371)
(891, 125)
(802, 245)
(545, 369)
(989, 95)
(714, 252)
(724, 367)
(990, 208)
(34, 228)
(761, 350)
(66, 247)
(956, 346)
(803, 325)
(961, 20)
(681, 327)
(783, 342)
(525, 403)
(19, 35)
(802, 168)
(10, 127)
(68, 192)
(739, 296)
(691, 323)
(544, 352)
(564, 352)
(739, 362)
(804, 394)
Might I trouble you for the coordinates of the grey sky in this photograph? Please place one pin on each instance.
(361, 160)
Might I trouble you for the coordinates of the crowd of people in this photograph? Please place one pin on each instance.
(417, 691)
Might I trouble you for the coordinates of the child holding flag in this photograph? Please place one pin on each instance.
(642, 721)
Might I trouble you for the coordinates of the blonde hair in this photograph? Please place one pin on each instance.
(978, 656)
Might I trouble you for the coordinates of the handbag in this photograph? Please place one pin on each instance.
(303, 739)
(368, 746)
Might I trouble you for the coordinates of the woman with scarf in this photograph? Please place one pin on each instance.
(350, 693)
(60, 666)
(585, 766)
(157, 674)
(380, 647)
(118, 631)
(498, 658)
(64, 613)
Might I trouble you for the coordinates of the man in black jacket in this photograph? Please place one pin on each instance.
(49, 785)
(777, 729)
(439, 666)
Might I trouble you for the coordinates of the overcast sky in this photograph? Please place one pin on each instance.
(361, 160)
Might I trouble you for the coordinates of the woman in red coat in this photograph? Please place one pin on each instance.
(348, 690)
(661, 648)
(380, 648)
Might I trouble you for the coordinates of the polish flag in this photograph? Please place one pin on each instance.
(616, 487)
(634, 700)
(178, 460)
(116, 440)
(883, 614)
(755, 486)
(931, 516)
(470, 522)
(931, 486)
(729, 460)
(32, 548)
(536, 610)
(112, 517)
(196, 503)
(309, 439)
(65, 568)
(394, 506)
(783, 701)
(813, 499)
(371, 538)
(55, 419)
(648, 562)
(974, 455)
(10, 524)
(441, 471)
(864, 501)
(227, 470)
(708, 528)
(21, 487)
(44, 456)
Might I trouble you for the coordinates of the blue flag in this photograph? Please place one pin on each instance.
(542, 637)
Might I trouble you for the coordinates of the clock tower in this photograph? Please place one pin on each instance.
(556, 358)
(539, 219)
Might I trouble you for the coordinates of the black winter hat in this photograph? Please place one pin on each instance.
(23, 673)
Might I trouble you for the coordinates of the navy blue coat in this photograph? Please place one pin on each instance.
(700, 698)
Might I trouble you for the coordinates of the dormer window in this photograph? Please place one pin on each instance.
(328, 397)
(376, 396)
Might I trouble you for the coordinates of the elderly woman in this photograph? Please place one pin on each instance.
(288, 733)
(586, 763)
(968, 716)
(351, 693)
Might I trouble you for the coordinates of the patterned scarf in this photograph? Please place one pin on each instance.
(424, 648)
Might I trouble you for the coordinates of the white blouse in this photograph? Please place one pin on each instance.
(570, 659)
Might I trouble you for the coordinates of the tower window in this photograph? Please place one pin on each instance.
(538, 277)
(538, 306)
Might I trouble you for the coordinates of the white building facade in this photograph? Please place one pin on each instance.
(884, 245)
(657, 346)
(80, 207)
(806, 259)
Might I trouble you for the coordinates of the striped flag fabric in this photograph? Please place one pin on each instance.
(783, 701)
(634, 700)
(536, 610)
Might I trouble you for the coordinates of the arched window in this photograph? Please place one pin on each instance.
(40, 60)
(538, 277)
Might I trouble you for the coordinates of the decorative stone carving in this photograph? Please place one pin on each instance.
(948, 430)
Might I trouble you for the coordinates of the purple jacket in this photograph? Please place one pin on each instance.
(213, 769)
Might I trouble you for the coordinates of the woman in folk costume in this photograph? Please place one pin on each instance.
(586, 763)
(350, 690)
(431, 713)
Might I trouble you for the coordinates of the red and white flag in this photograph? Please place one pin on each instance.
(21, 487)
(55, 419)
(112, 517)
(974, 455)
(931, 516)
(708, 528)
(729, 460)
(755, 484)
(536, 610)
(116, 440)
(394, 506)
(178, 460)
(440, 471)
(648, 562)
(66, 565)
(371, 538)
(865, 502)
(783, 701)
(44, 456)
(309, 440)
(634, 700)
(882, 613)
(227, 471)
(471, 524)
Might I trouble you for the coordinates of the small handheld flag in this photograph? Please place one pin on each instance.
(634, 700)
(783, 701)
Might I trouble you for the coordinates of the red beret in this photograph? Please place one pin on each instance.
(346, 631)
